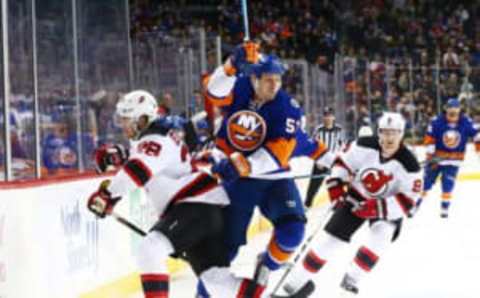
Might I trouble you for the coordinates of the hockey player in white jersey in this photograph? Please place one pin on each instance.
(191, 217)
(188, 202)
(376, 180)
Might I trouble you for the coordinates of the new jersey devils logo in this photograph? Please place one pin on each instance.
(451, 139)
(375, 181)
(246, 130)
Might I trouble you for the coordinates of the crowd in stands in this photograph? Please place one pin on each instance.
(403, 55)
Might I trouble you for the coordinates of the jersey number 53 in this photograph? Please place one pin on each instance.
(292, 125)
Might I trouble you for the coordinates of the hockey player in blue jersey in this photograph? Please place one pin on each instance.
(446, 141)
(258, 136)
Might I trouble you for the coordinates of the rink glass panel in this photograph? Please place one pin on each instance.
(81, 69)
(21, 88)
(56, 92)
(2, 95)
(103, 55)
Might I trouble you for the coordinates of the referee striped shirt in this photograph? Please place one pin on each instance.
(331, 137)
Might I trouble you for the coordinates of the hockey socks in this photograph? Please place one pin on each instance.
(220, 282)
(366, 259)
(250, 289)
(287, 237)
(446, 197)
(322, 249)
(152, 256)
(155, 285)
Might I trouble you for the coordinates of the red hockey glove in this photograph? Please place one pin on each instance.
(232, 168)
(246, 53)
(336, 191)
(101, 202)
(110, 156)
(371, 209)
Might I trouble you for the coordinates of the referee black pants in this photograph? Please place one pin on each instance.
(315, 184)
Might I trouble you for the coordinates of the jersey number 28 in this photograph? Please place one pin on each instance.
(150, 148)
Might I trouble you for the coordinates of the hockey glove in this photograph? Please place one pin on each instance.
(371, 209)
(108, 157)
(336, 192)
(202, 159)
(101, 202)
(244, 54)
(231, 168)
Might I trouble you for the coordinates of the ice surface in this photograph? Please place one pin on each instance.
(433, 258)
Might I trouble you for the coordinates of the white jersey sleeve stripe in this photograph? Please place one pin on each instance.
(262, 162)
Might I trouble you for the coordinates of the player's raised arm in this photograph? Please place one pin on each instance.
(220, 84)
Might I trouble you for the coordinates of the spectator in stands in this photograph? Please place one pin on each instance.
(59, 147)
(165, 104)
(450, 59)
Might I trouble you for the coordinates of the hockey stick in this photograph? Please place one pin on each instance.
(308, 176)
(128, 224)
(302, 249)
(245, 20)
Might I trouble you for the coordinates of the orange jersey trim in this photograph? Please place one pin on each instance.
(449, 155)
(210, 99)
(477, 147)
(219, 101)
(321, 149)
(224, 146)
(428, 140)
(281, 149)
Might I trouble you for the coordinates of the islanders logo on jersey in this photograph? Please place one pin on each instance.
(246, 130)
(375, 181)
(451, 138)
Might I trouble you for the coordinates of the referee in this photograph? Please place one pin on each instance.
(332, 136)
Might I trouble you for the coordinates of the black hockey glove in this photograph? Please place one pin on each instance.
(108, 157)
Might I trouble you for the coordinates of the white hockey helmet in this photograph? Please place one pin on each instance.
(391, 121)
(137, 103)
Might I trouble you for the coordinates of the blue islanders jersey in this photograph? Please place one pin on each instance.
(448, 141)
(265, 133)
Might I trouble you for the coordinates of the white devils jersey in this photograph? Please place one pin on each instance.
(161, 164)
(397, 181)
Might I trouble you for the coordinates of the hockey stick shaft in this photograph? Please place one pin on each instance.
(128, 224)
(307, 176)
(303, 249)
(245, 20)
